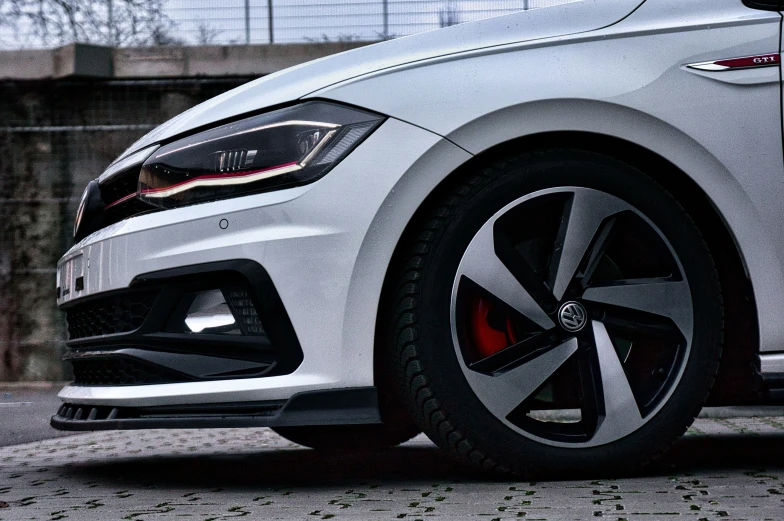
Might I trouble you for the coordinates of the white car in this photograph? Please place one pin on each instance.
(544, 239)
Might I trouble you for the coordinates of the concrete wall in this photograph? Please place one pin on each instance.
(64, 115)
(79, 60)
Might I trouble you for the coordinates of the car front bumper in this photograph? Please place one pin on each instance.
(325, 246)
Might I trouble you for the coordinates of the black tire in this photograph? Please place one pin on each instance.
(349, 437)
(417, 313)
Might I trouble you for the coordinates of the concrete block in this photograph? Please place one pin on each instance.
(75, 60)
(93, 61)
(26, 65)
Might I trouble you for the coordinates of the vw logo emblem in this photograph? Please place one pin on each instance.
(572, 316)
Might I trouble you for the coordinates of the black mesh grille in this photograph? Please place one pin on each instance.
(121, 314)
(121, 371)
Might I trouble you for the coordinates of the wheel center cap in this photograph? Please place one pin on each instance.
(572, 316)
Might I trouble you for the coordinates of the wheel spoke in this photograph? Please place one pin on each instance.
(671, 299)
(583, 216)
(502, 393)
(621, 415)
(481, 265)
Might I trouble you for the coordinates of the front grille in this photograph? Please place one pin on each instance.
(122, 371)
(109, 316)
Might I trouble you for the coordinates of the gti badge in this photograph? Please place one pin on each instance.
(746, 62)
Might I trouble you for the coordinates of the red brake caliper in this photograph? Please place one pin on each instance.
(487, 339)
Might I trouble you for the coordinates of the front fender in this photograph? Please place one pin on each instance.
(629, 81)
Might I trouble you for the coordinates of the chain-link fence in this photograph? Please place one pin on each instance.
(25, 23)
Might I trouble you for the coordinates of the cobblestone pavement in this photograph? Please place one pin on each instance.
(724, 468)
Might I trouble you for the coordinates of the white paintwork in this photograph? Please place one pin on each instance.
(606, 66)
(772, 363)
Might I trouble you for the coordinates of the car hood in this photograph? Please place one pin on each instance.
(296, 82)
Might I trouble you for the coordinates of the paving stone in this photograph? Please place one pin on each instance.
(723, 469)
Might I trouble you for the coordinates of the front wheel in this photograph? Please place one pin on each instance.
(557, 312)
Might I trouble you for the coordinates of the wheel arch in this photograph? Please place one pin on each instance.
(738, 380)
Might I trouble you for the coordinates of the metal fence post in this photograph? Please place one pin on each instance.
(247, 22)
(385, 4)
(271, 22)
(526, 5)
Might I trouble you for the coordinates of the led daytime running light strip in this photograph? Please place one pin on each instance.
(221, 180)
(121, 200)
(238, 178)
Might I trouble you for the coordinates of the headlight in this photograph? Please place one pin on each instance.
(286, 147)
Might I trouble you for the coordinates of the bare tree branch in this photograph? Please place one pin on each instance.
(206, 35)
(103, 22)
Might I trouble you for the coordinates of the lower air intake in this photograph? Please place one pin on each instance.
(110, 315)
(122, 371)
